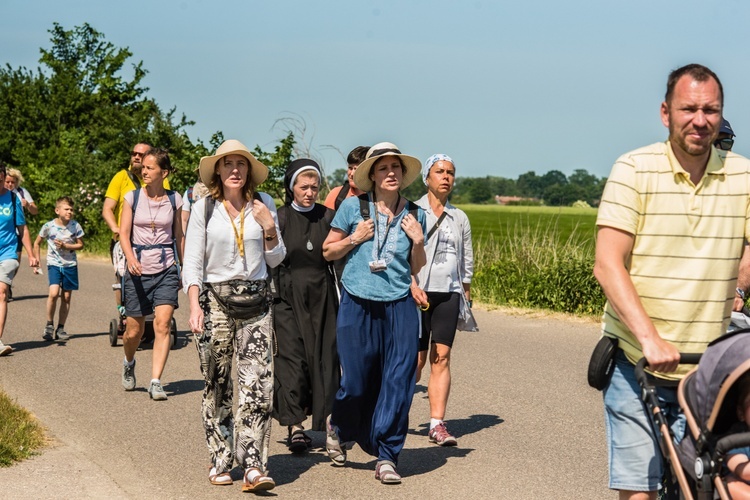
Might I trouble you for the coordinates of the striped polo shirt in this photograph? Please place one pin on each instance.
(687, 246)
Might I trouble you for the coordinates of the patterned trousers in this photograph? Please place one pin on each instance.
(246, 436)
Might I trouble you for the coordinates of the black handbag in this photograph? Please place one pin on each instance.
(602, 363)
(242, 306)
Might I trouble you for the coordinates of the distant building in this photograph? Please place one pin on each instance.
(515, 200)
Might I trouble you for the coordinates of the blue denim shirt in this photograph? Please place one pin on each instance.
(393, 246)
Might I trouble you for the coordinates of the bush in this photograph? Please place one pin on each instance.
(531, 268)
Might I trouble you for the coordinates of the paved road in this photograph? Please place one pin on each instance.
(528, 425)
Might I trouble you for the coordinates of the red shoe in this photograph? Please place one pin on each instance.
(440, 435)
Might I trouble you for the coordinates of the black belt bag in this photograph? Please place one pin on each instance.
(244, 305)
(602, 363)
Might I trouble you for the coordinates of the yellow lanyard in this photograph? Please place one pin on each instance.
(239, 237)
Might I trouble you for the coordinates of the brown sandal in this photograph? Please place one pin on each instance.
(220, 479)
(260, 483)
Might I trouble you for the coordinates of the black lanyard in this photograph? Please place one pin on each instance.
(388, 229)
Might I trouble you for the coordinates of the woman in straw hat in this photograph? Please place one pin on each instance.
(232, 235)
(442, 288)
(378, 324)
(306, 367)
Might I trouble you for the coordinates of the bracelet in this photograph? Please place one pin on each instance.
(741, 293)
(270, 238)
(351, 241)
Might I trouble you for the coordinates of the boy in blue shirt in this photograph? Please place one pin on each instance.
(63, 236)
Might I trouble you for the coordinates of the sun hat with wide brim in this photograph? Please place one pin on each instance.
(412, 165)
(258, 171)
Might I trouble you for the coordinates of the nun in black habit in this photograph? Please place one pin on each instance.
(306, 366)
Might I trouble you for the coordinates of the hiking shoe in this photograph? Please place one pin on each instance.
(336, 452)
(156, 391)
(5, 349)
(48, 333)
(128, 376)
(61, 335)
(440, 435)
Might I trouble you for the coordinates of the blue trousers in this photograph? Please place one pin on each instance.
(378, 344)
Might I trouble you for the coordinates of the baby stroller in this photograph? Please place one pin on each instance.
(708, 397)
(117, 325)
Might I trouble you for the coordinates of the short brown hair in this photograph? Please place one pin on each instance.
(697, 72)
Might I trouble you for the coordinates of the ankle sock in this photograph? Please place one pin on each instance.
(131, 363)
(434, 422)
(155, 380)
(252, 474)
(60, 327)
(49, 323)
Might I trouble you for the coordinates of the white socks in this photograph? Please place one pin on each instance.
(434, 422)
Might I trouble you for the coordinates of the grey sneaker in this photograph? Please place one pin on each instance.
(61, 335)
(48, 333)
(128, 376)
(5, 349)
(156, 391)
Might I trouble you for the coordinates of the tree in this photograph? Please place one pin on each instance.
(276, 162)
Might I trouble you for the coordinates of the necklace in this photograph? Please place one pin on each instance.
(158, 206)
(239, 236)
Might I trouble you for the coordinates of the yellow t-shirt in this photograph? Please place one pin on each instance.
(687, 246)
(118, 186)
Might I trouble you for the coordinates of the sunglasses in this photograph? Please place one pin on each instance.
(136, 153)
(724, 144)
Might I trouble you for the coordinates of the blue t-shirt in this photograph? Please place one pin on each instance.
(8, 236)
(390, 244)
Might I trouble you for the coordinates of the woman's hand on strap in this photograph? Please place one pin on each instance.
(364, 231)
(134, 267)
(262, 216)
(413, 229)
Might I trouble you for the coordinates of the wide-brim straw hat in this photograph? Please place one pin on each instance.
(258, 171)
(412, 165)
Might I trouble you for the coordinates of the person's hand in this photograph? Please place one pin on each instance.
(134, 268)
(24, 203)
(419, 296)
(262, 216)
(661, 355)
(33, 261)
(412, 228)
(196, 320)
(59, 244)
(738, 304)
(365, 231)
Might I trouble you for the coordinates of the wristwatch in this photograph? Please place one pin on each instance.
(741, 293)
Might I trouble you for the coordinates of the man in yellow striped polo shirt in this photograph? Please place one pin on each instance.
(671, 227)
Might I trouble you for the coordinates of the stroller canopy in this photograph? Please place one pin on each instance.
(709, 389)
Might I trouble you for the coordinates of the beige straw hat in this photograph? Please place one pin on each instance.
(258, 171)
(412, 166)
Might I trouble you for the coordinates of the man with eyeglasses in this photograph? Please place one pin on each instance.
(725, 140)
(123, 182)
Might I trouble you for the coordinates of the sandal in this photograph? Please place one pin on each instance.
(385, 471)
(298, 441)
(260, 483)
(336, 452)
(219, 479)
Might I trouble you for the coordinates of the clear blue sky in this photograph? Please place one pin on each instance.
(502, 87)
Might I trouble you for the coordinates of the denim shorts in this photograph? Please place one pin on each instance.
(65, 277)
(8, 268)
(143, 293)
(635, 461)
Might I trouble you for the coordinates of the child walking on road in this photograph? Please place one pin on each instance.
(63, 236)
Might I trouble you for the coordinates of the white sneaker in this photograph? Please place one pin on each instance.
(5, 349)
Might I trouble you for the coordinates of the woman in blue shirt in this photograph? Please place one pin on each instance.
(377, 329)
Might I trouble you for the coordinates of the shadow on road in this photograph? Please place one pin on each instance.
(36, 344)
(463, 426)
(27, 297)
(184, 386)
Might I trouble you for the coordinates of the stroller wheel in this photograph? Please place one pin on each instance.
(114, 325)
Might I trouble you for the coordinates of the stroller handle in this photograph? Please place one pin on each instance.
(686, 358)
(731, 442)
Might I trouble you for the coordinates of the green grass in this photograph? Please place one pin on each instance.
(535, 257)
(21, 435)
(499, 222)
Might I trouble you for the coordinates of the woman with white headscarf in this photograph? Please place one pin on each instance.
(442, 288)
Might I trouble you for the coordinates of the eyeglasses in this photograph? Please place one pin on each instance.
(724, 144)
(136, 153)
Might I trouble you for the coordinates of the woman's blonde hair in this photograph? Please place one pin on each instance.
(14, 172)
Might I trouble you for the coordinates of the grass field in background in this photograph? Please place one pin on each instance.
(499, 222)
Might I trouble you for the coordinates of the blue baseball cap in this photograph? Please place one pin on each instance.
(726, 128)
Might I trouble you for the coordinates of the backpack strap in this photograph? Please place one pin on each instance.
(342, 194)
(190, 196)
(134, 179)
(364, 206)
